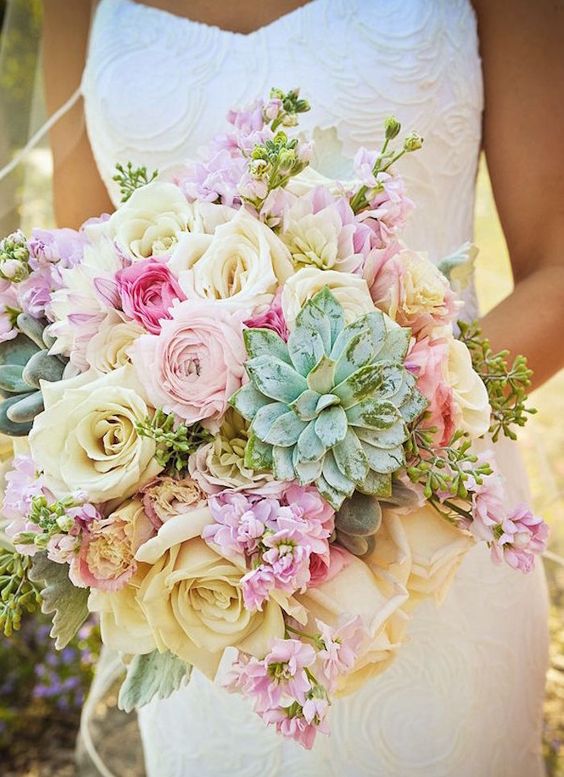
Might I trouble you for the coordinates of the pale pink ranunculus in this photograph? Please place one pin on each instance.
(147, 291)
(195, 364)
(427, 360)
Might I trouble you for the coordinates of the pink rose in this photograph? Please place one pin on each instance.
(196, 362)
(147, 290)
(427, 360)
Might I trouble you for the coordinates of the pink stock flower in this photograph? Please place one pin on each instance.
(214, 180)
(195, 364)
(341, 647)
(277, 535)
(250, 119)
(147, 291)
(488, 507)
(22, 484)
(272, 318)
(292, 722)
(524, 536)
(426, 359)
(56, 246)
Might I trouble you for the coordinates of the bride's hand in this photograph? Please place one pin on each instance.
(79, 192)
(523, 62)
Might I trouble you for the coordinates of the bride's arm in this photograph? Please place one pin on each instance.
(523, 57)
(78, 190)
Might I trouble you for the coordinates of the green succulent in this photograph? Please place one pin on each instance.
(331, 406)
(24, 362)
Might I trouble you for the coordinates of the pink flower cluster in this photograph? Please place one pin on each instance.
(279, 537)
(291, 686)
(514, 536)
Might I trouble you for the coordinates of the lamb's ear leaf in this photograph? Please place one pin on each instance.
(154, 675)
(60, 597)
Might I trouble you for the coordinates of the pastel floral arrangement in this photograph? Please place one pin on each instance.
(239, 426)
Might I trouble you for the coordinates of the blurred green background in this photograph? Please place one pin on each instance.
(41, 691)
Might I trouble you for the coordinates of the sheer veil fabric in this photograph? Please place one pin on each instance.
(464, 696)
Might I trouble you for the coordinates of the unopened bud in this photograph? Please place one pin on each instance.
(392, 127)
(413, 142)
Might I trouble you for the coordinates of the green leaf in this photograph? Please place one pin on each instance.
(384, 438)
(248, 400)
(17, 351)
(315, 319)
(358, 546)
(258, 455)
(396, 344)
(61, 597)
(331, 426)
(330, 494)
(359, 385)
(27, 408)
(414, 407)
(359, 515)
(310, 447)
(384, 460)
(358, 352)
(9, 427)
(376, 484)
(373, 413)
(305, 347)
(11, 379)
(42, 366)
(276, 379)
(308, 471)
(282, 466)
(266, 416)
(326, 302)
(150, 676)
(285, 431)
(335, 478)
(259, 342)
(350, 458)
(322, 377)
(305, 406)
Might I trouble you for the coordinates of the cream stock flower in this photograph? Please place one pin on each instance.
(108, 349)
(193, 601)
(349, 290)
(242, 264)
(85, 439)
(470, 393)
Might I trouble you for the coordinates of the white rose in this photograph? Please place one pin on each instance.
(152, 220)
(108, 349)
(85, 439)
(470, 393)
(349, 290)
(242, 264)
(192, 597)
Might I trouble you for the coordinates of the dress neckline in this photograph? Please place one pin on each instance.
(284, 18)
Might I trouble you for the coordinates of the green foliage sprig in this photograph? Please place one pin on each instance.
(50, 517)
(384, 161)
(18, 594)
(292, 105)
(273, 163)
(507, 384)
(444, 470)
(174, 443)
(130, 178)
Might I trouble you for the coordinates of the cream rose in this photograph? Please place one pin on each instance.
(193, 601)
(350, 290)
(123, 624)
(470, 393)
(242, 264)
(108, 349)
(152, 220)
(377, 598)
(85, 439)
(420, 550)
(309, 179)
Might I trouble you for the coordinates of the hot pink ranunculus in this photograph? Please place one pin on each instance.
(147, 290)
(195, 364)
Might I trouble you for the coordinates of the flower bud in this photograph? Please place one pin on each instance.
(392, 127)
(413, 142)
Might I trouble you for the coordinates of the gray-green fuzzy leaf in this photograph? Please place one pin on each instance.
(266, 416)
(11, 379)
(42, 366)
(310, 447)
(26, 409)
(285, 431)
(335, 477)
(9, 427)
(282, 466)
(384, 460)
(350, 458)
(305, 406)
(306, 348)
(60, 597)
(248, 401)
(154, 675)
(358, 352)
(359, 515)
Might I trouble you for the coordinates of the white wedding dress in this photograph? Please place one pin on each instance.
(464, 696)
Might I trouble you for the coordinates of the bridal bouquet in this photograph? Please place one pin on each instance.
(239, 426)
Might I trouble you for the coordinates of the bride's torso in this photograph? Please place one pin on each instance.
(157, 86)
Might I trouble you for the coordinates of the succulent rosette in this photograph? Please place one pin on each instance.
(331, 406)
(234, 415)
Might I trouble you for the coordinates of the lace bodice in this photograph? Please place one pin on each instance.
(352, 58)
(464, 696)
